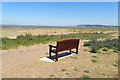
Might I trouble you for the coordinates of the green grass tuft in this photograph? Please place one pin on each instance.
(52, 75)
(94, 61)
(86, 71)
(94, 50)
(63, 70)
(75, 69)
(85, 76)
(115, 65)
(47, 53)
(116, 51)
(105, 49)
(109, 53)
(94, 56)
(66, 73)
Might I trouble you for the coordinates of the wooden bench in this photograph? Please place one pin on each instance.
(64, 45)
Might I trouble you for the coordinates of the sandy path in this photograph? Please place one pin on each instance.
(24, 62)
(15, 57)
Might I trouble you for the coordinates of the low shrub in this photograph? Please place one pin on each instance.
(108, 43)
(94, 49)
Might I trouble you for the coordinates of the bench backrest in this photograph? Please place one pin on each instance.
(67, 44)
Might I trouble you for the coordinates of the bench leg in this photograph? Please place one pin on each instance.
(50, 53)
(70, 50)
(56, 56)
(76, 50)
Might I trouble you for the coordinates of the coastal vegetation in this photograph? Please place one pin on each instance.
(29, 39)
(105, 45)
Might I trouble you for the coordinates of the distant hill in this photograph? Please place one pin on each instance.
(98, 26)
(81, 26)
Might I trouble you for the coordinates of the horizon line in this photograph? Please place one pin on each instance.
(55, 25)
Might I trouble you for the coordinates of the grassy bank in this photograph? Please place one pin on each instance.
(28, 39)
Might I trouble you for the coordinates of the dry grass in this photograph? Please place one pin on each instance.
(12, 32)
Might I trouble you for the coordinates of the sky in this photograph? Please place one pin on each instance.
(60, 0)
(59, 13)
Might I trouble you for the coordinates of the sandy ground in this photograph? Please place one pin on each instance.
(24, 63)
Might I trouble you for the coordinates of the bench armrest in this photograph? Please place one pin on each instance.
(52, 46)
